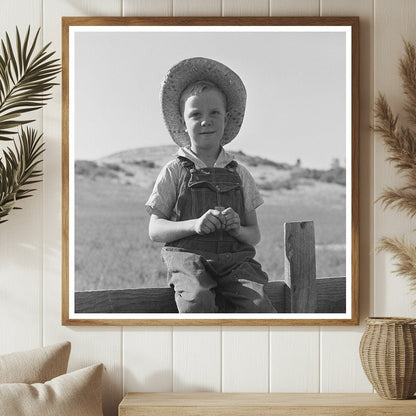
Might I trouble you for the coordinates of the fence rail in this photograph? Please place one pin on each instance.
(330, 299)
(300, 292)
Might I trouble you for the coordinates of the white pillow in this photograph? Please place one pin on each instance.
(73, 394)
(35, 366)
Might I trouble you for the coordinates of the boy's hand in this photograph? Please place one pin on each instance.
(209, 222)
(233, 223)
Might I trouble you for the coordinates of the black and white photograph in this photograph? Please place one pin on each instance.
(210, 173)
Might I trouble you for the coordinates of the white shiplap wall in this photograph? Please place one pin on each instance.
(237, 359)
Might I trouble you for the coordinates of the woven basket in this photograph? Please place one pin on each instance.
(388, 356)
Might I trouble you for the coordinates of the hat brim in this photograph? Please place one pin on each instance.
(196, 69)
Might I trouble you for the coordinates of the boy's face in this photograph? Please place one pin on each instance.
(205, 118)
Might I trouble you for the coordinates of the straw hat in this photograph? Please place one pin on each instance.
(196, 69)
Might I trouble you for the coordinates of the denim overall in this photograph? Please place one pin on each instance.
(213, 272)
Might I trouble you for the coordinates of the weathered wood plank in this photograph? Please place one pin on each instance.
(331, 294)
(300, 265)
(153, 300)
(330, 299)
(275, 291)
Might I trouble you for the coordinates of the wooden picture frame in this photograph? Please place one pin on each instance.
(100, 91)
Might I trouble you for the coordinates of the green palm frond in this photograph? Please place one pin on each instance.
(19, 170)
(25, 80)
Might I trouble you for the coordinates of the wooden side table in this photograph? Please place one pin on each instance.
(262, 404)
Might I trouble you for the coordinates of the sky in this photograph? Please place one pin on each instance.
(295, 81)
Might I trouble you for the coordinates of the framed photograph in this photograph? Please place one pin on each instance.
(210, 171)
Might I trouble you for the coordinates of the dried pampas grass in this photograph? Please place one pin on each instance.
(401, 144)
(404, 253)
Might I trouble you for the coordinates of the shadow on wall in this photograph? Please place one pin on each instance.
(160, 381)
(111, 393)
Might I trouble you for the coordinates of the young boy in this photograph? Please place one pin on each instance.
(203, 202)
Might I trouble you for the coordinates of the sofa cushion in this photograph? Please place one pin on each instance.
(73, 394)
(35, 366)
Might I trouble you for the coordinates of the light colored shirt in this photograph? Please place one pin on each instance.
(166, 189)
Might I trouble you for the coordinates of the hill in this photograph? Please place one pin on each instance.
(141, 166)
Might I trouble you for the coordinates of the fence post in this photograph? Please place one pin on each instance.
(300, 266)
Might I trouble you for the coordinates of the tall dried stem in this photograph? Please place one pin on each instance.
(401, 144)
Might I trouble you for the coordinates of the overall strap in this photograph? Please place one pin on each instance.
(232, 166)
(186, 163)
(189, 167)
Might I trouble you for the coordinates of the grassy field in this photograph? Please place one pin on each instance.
(113, 249)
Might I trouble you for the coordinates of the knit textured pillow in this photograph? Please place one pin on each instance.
(73, 394)
(35, 366)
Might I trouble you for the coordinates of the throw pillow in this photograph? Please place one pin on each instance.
(73, 394)
(35, 366)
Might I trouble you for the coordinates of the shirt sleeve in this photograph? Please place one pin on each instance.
(252, 197)
(163, 197)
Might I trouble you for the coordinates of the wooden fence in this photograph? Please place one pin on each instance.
(299, 292)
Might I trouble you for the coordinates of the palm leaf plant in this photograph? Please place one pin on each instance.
(26, 78)
(401, 143)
